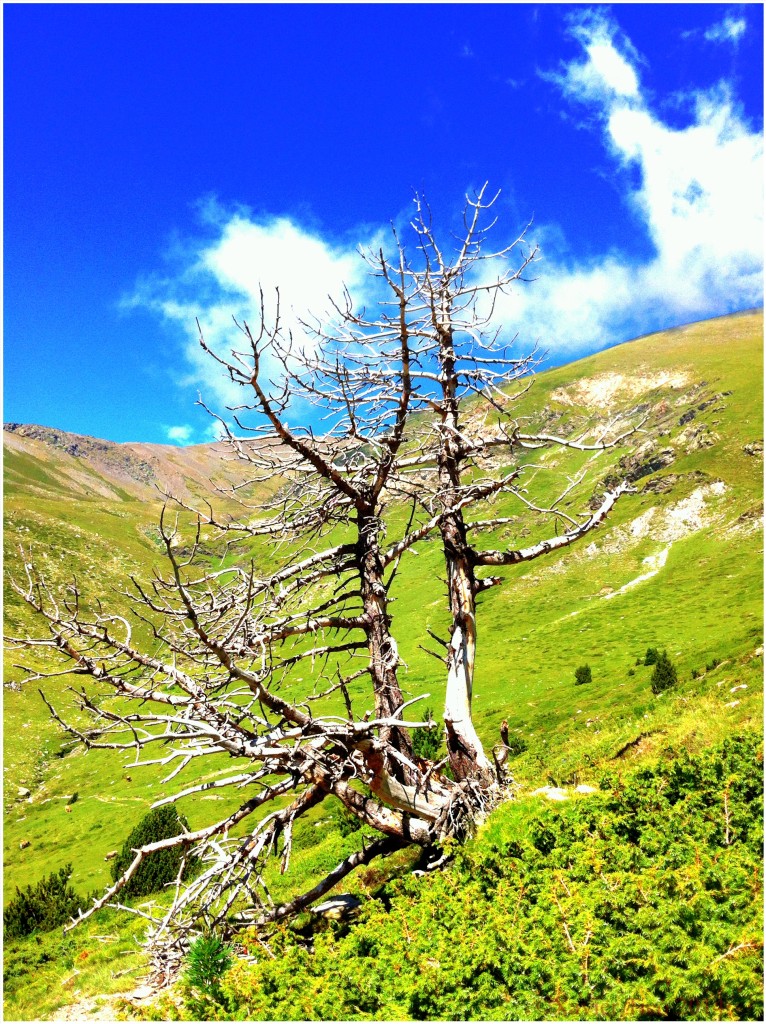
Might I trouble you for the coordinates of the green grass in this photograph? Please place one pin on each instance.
(45, 972)
(548, 617)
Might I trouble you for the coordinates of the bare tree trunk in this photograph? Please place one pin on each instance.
(383, 652)
(466, 753)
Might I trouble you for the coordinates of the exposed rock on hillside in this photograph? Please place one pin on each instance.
(664, 484)
(117, 459)
(697, 437)
(603, 390)
(90, 467)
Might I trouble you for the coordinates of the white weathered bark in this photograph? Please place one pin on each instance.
(458, 716)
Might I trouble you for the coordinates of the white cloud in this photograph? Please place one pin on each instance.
(730, 30)
(693, 192)
(605, 71)
(179, 435)
(223, 278)
(698, 198)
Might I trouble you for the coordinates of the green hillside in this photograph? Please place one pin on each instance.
(677, 566)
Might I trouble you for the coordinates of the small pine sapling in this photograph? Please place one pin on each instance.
(517, 745)
(650, 658)
(343, 820)
(583, 675)
(427, 743)
(207, 961)
(664, 675)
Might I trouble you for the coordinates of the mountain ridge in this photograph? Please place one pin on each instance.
(121, 470)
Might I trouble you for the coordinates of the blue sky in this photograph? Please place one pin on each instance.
(162, 160)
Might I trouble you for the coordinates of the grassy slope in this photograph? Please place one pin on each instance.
(549, 617)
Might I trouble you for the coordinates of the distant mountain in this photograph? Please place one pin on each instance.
(51, 461)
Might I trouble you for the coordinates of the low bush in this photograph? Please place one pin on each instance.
(664, 675)
(650, 658)
(159, 868)
(427, 743)
(344, 821)
(641, 902)
(516, 745)
(41, 907)
(583, 675)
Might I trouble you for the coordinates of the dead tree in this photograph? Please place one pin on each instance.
(204, 662)
(466, 362)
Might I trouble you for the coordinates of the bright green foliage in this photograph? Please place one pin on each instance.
(43, 906)
(642, 902)
(664, 675)
(159, 868)
(207, 961)
(650, 658)
(583, 675)
(427, 743)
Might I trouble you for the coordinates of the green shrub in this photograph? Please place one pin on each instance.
(159, 868)
(43, 906)
(427, 743)
(664, 675)
(712, 664)
(650, 658)
(516, 745)
(207, 961)
(583, 675)
(344, 821)
(639, 903)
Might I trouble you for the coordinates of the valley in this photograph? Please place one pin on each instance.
(677, 566)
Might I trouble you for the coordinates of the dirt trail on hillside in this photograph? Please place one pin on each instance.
(655, 562)
(92, 1008)
(104, 1007)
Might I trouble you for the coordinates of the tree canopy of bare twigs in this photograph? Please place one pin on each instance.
(398, 389)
